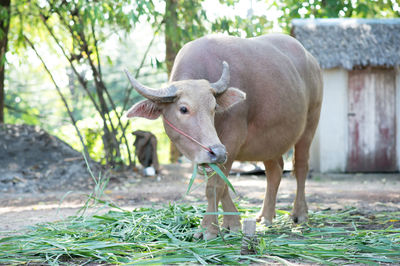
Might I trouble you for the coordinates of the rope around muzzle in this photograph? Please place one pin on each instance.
(188, 136)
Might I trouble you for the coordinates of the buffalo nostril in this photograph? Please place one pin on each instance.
(213, 157)
(217, 153)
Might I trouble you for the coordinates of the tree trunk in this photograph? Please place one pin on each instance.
(171, 33)
(110, 142)
(172, 47)
(4, 26)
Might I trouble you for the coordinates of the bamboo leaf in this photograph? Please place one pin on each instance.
(192, 179)
(222, 175)
(222, 213)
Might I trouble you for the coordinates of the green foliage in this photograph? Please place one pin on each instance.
(216, 170)
(193, 22)
(243, 27)
(74, 37)
(191, 18)
(91, 129)
(335, 9)
(4, 24)
(28, 99)
(18, 115)
(74, 31)
(75, 17)
(31, 99)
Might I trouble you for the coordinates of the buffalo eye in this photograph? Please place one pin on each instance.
(183, 110)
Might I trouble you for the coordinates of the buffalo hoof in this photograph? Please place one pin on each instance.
(300, 213)
(205, 235)
(209, 235)
(198, 235)
(263, 220)
(298, 219)
(232, 223)
(231, 229)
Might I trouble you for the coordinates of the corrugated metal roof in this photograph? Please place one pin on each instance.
(350, 42)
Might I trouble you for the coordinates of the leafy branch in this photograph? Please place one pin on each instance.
(64, 100)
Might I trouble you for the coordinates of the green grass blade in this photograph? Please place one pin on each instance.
(194, 174)
(222, 175)
(165, 236)
(222, 213)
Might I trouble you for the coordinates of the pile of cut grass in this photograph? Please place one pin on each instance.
(165, 236)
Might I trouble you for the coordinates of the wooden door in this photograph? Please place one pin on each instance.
(372, 120)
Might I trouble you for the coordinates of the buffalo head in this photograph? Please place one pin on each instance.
(189, 106)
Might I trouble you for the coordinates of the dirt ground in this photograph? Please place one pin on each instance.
(43, 179)
(368, 192)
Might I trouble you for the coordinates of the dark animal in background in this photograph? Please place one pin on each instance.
(241, 99)
(146, 149)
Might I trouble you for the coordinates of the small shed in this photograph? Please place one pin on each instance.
(359, 129)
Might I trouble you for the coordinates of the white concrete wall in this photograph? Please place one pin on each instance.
(398, 117)
(329, 148)
(315, 162)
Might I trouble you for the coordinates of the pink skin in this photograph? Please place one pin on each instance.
(197, 121)
(276, 107)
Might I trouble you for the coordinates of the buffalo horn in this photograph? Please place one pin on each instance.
(222, 84)
(164, 95)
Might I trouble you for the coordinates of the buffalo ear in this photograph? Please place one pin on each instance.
(146, 108)
(229, 98)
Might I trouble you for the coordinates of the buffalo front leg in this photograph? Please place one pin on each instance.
(214, 192)
(273, 171)
(217, 190)
(230, 222)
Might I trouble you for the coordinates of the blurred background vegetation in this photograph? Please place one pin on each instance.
(62, 61)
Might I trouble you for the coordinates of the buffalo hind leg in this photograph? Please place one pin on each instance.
(301, 155)
(273, 171)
